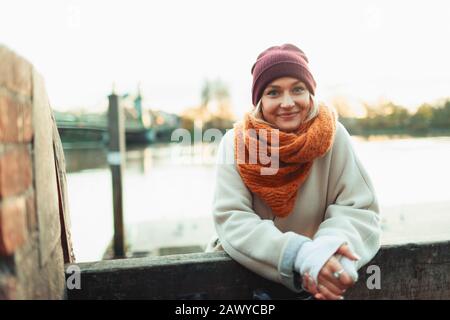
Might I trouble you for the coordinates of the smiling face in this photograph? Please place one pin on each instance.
(285, 103)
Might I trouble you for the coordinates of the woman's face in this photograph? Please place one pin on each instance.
(285, 103)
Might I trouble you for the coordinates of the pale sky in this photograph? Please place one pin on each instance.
(364, 50)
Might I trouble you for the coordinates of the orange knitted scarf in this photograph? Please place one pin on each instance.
(293, 154)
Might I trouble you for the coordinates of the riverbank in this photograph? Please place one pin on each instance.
(413, 223)
(168, 192)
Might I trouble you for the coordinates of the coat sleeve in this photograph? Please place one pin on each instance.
(353, 211)
(255, 243)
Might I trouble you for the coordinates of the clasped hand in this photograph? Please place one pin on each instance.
(329, 287)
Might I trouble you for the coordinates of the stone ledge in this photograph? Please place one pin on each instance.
(411, 271)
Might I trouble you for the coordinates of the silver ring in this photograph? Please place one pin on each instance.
(337, 274)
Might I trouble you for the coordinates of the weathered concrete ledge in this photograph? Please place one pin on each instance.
(411, 271)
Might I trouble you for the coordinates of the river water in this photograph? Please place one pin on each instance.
(168, 189)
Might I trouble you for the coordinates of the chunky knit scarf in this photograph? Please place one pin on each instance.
(294, 153)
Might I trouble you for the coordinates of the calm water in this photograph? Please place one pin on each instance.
(168, 191)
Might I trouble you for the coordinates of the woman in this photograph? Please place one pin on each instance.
(310, 209)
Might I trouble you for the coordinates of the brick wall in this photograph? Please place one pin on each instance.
(32, 225)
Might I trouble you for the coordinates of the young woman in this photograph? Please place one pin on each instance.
(291, 196)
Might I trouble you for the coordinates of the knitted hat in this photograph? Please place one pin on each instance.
(280, 61)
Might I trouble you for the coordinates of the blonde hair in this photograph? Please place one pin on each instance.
(257, 111)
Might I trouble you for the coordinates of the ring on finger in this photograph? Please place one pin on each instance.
(337, 274)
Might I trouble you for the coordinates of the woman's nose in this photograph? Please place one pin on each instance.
(287, 101)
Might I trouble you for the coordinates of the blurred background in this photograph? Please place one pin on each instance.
(186, 64)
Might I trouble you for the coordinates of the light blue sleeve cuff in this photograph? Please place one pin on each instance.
(312, 257)
(289, 277)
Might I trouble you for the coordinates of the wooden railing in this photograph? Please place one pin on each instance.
(412, 271)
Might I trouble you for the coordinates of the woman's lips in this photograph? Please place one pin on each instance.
(288, 115)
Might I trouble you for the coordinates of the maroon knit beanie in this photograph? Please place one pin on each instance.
(280, 61)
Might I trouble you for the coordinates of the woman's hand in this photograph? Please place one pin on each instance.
(329, 287)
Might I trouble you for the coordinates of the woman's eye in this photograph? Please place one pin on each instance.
(298, 89)
(271, 92)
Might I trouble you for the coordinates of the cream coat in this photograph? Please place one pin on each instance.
(337, 200)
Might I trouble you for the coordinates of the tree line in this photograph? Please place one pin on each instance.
(390, 118)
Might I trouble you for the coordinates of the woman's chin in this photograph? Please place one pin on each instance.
(289, 126)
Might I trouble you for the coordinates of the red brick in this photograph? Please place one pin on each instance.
(10, 117)
(15, 119)
(15, 171)
(12, 225)
(15, 72)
